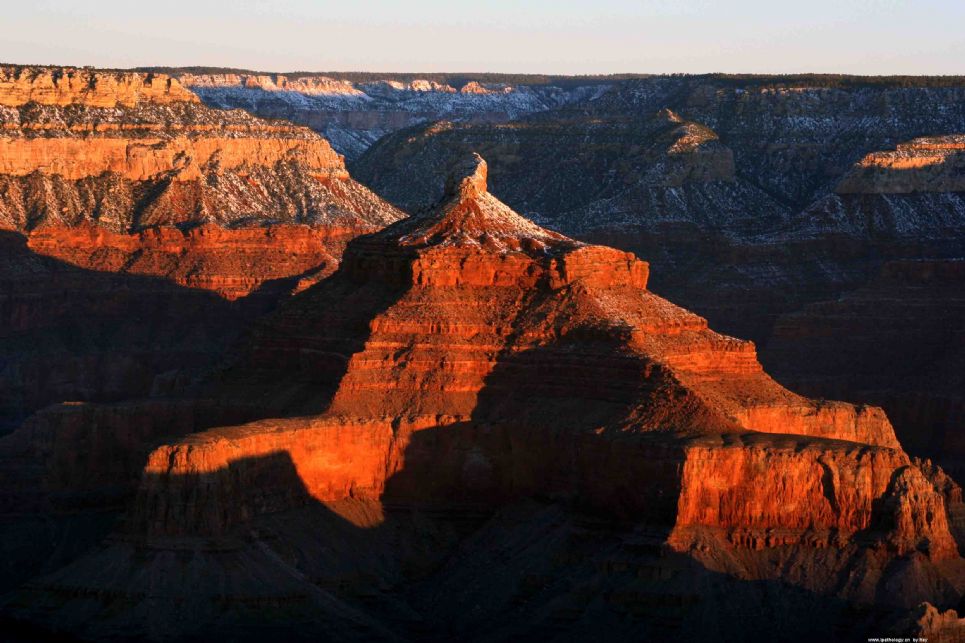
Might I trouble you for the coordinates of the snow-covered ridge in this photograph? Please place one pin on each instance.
(326, 86)
(312, 85)
(353, 115)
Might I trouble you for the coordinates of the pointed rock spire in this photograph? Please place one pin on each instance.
(473, 239)
(471, 217)
(468, 178)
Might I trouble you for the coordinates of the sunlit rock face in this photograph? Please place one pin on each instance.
(130, 151)
(124, 201)
(21, 85)
(752, 199)
(471, 395)
(929, 164)
(232, 263)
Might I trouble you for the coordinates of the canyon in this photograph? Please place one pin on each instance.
(479, 428)
(244, 397)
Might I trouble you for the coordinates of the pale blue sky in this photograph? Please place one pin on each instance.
(548, 36)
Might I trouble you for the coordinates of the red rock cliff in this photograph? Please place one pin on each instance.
(467, 329)
(128, 174)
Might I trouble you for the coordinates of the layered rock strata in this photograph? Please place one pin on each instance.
(466, 360)
(126, 202)
(115, 150)
(68, 86)
(833, 177)
(233, 263)
(484, 301)
(929, 164)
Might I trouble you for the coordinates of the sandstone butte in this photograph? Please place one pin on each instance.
(472, 316)
(463, 360)
(119, 171)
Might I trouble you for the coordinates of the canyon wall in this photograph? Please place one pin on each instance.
(125, 202)
(20, 85)
(143, 161)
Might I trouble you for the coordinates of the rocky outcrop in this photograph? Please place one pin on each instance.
(21, 85)
(930, 164)
(148, 158)
(128, 202)
(310, 85)
(478, 345)
(757, 491)
(829, 182)
(231, 262)
(432, 273)
(773, 492)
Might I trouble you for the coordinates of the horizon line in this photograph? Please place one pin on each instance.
(622, 75)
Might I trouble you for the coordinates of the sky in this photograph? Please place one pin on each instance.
(526, 36)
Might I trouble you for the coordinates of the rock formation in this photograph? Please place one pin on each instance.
(130, 174)
(471, 396)
(230, 262)
(20, 86)
(800, 190)
(930, 164)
